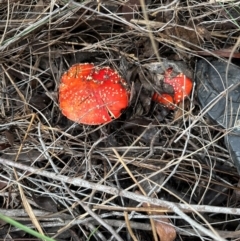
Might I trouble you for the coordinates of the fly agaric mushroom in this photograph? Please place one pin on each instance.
(182, 86)
(92, 95)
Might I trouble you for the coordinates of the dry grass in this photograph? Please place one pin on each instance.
(66, 171)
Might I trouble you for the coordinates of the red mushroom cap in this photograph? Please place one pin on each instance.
(92, 95)
(164, 99)
(182, 86)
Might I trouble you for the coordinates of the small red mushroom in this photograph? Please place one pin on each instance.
(164, 99)
(92, 95)
(182, 86)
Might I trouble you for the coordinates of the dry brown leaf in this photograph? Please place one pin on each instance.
(221, 53)
(4, 146)
(3, 184)
(165, 230)
(188, 37)
(129, 8)
(178, 114)
(40, 6)
(236, 192)
(45, 202)
(10, 137)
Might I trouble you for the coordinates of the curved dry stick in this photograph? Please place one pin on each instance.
(140, 198)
